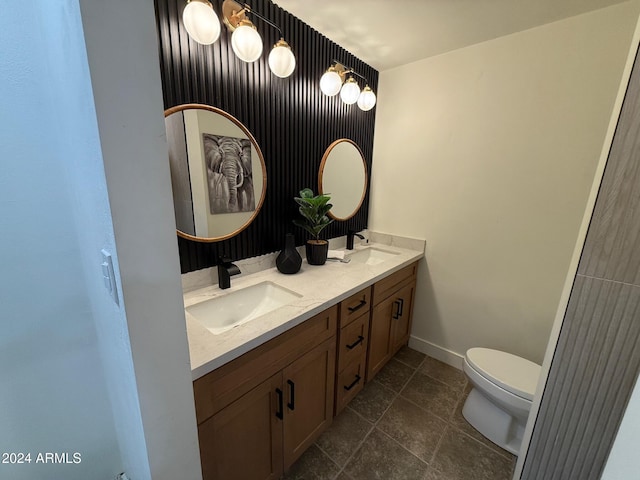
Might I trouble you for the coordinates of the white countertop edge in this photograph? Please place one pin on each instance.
(321, 287)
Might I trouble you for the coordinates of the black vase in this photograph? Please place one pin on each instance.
(289, 260)
(317, 252)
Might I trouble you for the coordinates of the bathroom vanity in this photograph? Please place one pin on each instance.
(267, 388)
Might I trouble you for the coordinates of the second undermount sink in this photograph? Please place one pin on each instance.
(222, 313)
(371, 255)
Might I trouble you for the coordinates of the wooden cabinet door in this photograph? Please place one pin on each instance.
(380, 336)
(308, 399)
(243, 441)
(401, 317)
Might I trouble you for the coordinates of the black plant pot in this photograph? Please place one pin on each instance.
(289, 260)
(317, 251)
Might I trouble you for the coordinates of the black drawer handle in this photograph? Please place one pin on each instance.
(362, 303)
(356, 343)
(292, 395)
(279, 413)
(401, 300)
(354, 383)
(397, 313)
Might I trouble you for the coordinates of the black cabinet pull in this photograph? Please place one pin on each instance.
(356, 343)
(353, 384)
(397, 313)
(279, 413)
(362, 303)
(401, 300)
(292, 395)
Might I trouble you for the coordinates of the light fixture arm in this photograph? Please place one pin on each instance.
(358, 75)
(247, 9)
(348, 70)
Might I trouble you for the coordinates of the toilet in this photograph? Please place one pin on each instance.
(503, 389)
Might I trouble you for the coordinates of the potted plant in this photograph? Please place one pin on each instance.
(314, 210)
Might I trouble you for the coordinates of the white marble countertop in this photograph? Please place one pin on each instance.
(319, 287)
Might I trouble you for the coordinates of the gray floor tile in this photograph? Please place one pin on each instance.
(380, 458)
(460, 457)
(410, 357)
(432, 395)
(445, 373)
(420, 433)
(344, 436)
(343, 476)
(433, 474)
(372, 401)
(394, 375)
(312, 465)
(415, 429)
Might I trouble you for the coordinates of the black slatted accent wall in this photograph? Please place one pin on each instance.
(292, 121)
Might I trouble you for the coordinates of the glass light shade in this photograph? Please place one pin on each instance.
(350, 91)
(367, 99)
(282, 61)
(246, 43)
(330, 82)
(201, 22)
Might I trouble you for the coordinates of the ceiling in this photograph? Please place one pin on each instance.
(389, 33)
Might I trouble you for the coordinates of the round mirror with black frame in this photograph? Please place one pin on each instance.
(343, 175)
(218, 173)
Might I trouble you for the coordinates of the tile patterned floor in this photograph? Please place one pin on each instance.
(406, 424)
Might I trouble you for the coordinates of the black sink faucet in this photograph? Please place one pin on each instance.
(350, 237)
(226, 270)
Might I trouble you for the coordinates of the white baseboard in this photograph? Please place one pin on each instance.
(439, 353)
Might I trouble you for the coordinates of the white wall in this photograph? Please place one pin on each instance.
(79, 373)
(122, 51)
(54, 397)
(489, 153)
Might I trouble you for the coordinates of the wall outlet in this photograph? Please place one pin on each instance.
(108, 276)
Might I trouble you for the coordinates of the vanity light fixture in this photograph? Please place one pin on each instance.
(331, 81)
(339, 78)
(350, 91)
(201, 21)
(203, 26)
(367, 99)
(246, 41)
(282, 61)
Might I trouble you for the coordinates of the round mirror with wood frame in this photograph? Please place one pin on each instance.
(218, 174)
(343, 176)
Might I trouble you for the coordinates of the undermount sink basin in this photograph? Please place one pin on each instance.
(371, 255)
(222, 313)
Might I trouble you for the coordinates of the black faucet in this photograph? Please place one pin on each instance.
(226, 270)
(350, 237)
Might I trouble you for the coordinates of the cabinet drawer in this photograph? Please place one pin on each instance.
(354, 306)
(352, 341)
(387, 286)
(349, 382)
(222, 386)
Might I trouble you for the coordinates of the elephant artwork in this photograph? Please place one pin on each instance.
(229, 174)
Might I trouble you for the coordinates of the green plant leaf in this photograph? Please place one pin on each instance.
(314, 209)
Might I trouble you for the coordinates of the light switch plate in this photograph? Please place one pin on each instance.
(108, 276)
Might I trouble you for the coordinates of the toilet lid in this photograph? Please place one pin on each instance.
(515, 374)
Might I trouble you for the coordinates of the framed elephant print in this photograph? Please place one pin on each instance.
(218, 174)
(229, 174)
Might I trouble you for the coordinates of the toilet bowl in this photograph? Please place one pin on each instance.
(503, 389)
